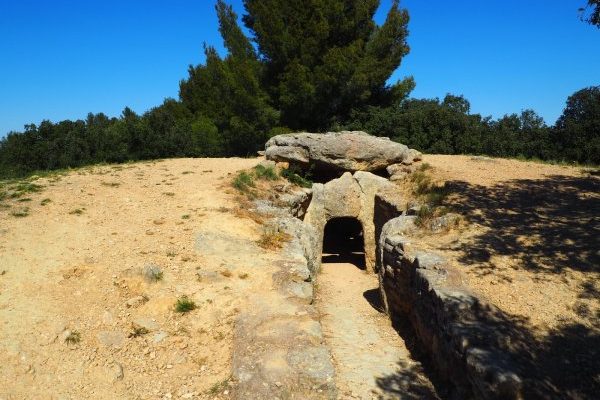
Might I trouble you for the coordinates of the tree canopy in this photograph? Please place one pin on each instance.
(591, 13)
(311, 65)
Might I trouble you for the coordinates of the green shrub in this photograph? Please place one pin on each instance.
(243, 182)
(266, 173)
(294, 175)
(184, 304)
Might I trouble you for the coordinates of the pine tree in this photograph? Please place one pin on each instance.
(228, 91)
(325, 58)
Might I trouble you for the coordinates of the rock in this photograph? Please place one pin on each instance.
(337, 151)
(350, 196)
(444, 222)
(146, 323)
(342, 197)
(160, 336)
(152, 273)
(136, 301)
(114, 339)
(268, 164)
(115, 372)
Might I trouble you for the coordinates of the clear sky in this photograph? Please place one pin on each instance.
(61, 59)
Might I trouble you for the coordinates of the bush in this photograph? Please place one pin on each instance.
(266, 173)
(184, 304)
(243, 182)
(294, 175)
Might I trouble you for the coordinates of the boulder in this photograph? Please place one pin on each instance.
(338, 151)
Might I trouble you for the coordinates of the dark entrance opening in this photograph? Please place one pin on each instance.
(343, 242)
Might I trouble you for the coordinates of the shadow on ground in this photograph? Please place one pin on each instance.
(549, 225)
(565, 365)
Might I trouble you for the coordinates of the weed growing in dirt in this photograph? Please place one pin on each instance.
(184, 304)
(77, 211)
(45, 202)
(171, 253)
(25, 200)
(266, 173)
(152, 273)
(243, 275)
(73, 338)
(138, 331)
(20, 213)
(187, 172)
(219, 387)
(186, 216)
(272, 239)
(432, 194)
(243, 182)
(226, 273)
(170, 194)
(111, 184)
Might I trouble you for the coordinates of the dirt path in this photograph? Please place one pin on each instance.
(371, 359)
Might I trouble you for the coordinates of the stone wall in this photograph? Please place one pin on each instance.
(350, 196)
(279, 350)
(456, 330)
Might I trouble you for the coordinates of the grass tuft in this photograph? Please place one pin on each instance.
(20, 213)
(272, 239)
(73, 338)
(243, 182)
(184, 304)
(294, 175)
(266, 173)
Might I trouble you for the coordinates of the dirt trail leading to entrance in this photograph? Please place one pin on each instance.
(371, 359)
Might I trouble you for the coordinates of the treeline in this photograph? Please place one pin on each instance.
(326, 68)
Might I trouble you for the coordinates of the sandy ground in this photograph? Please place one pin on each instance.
(74, 265)
(531, 246)
(371, 359)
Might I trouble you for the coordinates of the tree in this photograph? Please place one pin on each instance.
(592, 16)
(578, 128)
(228, 91)
(325, 58)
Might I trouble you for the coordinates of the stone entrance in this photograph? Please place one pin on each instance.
(343, 242)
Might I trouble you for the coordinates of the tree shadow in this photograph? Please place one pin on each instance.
(548, 224)
(563, 365)
(406, 384)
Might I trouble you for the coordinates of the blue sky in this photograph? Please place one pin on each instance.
(61, 59)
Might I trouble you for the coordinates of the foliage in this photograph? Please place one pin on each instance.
(324, 59)
(296, 176)
(184, 304)
(314, 66)
(591, 13)
(578, 129)
(243, 182)
(265, 172)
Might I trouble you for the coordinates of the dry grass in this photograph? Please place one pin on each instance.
(273, 239)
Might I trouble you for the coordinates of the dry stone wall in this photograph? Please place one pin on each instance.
(455, 329)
